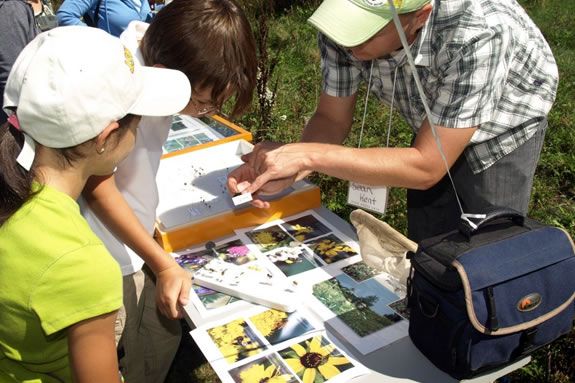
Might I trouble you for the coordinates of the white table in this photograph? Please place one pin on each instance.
(400, 361)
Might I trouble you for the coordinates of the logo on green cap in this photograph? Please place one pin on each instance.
(380, 3)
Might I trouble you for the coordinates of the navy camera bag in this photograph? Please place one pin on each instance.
(483, 298)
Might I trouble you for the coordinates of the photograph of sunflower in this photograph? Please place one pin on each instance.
(213, 299)
(293, 260)
(331, 249)
(315, 360)
(278, 326)
(360, 271)
(269, 238)
(268, 369)
(235, 340)
(363, 307)
(306, 227)
(235, 252)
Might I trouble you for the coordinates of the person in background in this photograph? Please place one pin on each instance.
(113, 16)
(59, 287)
(44, 14)
(212, 43)
(489, 78)
(17, 28)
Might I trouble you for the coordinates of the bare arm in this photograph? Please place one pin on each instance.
(173, 283)
(92, 350)
(330, 123)
(416, 167)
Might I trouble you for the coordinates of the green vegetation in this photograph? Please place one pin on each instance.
(353, 310)
(360, 271)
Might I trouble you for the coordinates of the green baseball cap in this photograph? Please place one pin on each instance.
(352, 22)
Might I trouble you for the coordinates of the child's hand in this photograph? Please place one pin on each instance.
(173, 286)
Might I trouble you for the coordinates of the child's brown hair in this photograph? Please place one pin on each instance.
(211, 41)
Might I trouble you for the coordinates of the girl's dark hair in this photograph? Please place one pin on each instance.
(211, 41)
(16, 182)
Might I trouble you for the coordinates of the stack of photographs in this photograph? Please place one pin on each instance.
(263, 345)
(356, 302)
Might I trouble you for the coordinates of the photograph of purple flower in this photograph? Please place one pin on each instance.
(235, 252)
(192, 261)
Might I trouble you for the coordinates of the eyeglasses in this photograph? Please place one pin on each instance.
(203, 109)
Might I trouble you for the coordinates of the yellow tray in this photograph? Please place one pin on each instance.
(301, 198)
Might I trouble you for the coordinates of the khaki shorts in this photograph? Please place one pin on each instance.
(147, 341)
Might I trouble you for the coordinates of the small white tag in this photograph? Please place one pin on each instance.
(370, 198)
(26, 156)
(242, 198)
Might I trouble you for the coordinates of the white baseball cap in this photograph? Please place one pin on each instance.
(71, 82)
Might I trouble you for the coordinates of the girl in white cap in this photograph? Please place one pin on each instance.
(74, 97)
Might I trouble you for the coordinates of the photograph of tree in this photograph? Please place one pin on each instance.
(267, 369)
(269, 238)
(315, 360)
(306, 227)
(363, 306)
(293, 260)
(278, 326)
(235, 340)
(331, 249)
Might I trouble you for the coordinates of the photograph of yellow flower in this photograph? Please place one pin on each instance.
(315, 360)
(235, 340)
(331, 249)
(306, 227)
(278, 326)
(268, 369)
(269, 238)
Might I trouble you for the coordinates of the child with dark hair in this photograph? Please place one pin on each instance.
(59, 287)
(212, 43)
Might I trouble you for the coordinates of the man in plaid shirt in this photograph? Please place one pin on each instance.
(489, 78)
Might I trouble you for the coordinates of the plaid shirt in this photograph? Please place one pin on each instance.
(482, 63)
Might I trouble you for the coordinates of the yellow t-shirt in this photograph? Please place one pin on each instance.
(54, 272)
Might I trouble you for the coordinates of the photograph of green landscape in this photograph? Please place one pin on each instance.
(363, 306)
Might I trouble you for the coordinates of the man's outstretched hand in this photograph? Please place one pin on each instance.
(268, 169)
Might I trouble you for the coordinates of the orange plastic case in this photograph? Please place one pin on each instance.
(195, 206)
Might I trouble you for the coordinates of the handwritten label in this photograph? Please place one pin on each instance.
(372, 198)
